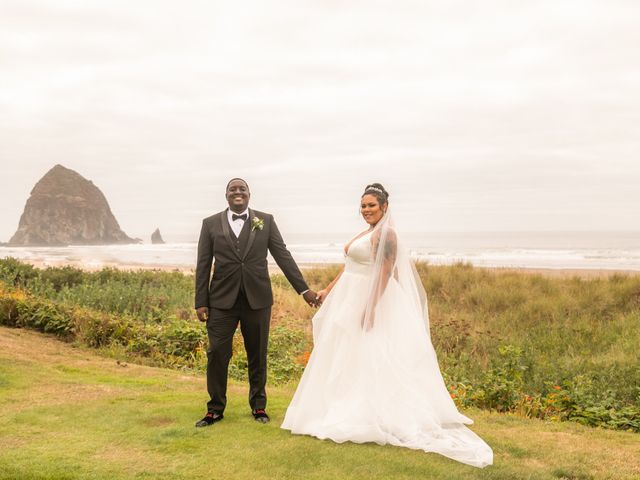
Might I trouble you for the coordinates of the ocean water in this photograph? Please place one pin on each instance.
(557, 250)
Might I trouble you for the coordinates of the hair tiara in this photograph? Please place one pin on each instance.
(376, 189)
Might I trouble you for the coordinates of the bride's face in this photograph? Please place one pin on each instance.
(370, 209)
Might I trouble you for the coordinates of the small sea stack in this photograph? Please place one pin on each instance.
(156, 238)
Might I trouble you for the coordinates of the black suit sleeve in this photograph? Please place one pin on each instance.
(203, 267)
(285, 261)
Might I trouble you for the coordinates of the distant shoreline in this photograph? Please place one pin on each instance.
(550, 272)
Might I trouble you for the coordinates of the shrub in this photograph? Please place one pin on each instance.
(552, 348)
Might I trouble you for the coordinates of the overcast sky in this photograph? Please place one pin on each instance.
(492, 115)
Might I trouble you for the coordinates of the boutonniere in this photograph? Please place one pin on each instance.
(257, 224)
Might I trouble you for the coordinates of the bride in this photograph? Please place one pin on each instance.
(373, 375)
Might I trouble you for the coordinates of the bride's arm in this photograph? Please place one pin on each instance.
(387, 268)
(322, 294)
(388, 263)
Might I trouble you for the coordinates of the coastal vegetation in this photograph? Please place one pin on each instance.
(69, 412)
(535, 346)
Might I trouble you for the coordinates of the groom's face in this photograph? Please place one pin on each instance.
(238, 195)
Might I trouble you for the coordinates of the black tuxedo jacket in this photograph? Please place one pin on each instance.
(241, 262)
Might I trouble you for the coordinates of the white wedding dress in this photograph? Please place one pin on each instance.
(381, 384)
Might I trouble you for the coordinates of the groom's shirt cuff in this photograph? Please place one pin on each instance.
(302, 293)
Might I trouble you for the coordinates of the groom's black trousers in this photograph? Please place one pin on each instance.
(221, 325)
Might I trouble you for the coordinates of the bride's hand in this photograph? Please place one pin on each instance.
(367, 321)
(321, 295)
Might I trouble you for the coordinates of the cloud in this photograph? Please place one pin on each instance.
(483, 115)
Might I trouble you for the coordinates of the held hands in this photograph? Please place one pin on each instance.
(203, 313)
(311, 298)
(321, 295)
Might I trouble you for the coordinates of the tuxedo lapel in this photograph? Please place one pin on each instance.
(252, 234)
(226, 229)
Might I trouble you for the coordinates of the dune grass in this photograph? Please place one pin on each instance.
(67, 413)
(551, 348)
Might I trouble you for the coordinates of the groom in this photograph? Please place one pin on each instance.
(237, 240)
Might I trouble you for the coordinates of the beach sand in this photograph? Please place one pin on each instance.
(566, 272)
(550, 272)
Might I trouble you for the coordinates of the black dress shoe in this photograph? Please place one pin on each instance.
(209, 419)
(260, 415)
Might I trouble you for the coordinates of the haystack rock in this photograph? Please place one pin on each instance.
(67, 209)
(156, 237)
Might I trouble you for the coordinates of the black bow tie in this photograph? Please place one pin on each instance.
(235, 217)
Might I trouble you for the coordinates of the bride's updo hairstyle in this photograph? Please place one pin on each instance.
(378, 191)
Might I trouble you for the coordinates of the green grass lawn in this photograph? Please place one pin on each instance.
(66, 412)
(510, 341)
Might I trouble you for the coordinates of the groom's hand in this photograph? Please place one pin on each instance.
(310, 297)
(203, 313)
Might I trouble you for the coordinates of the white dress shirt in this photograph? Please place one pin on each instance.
(237, 224)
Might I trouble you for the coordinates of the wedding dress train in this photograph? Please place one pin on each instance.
(380, 384)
